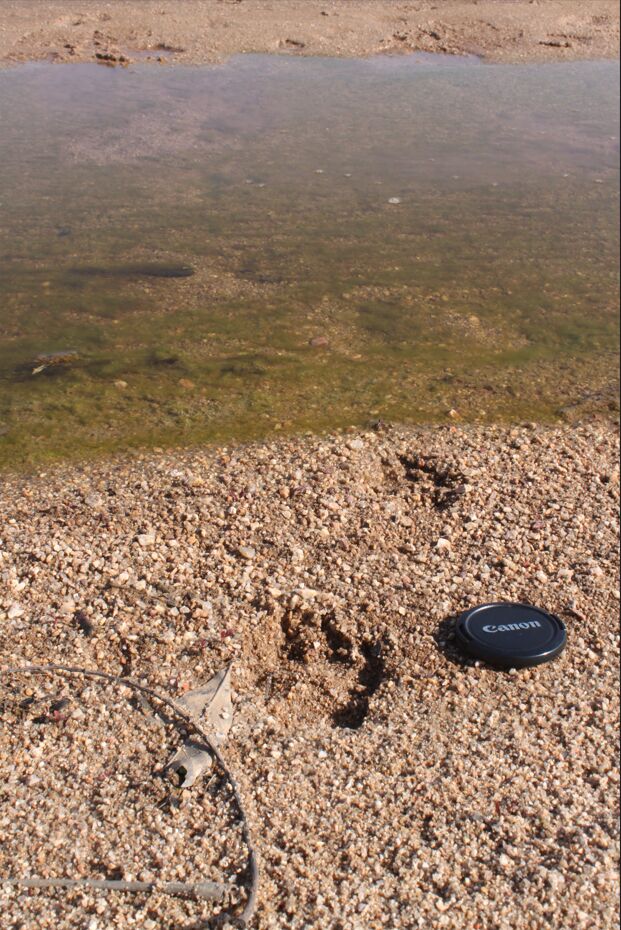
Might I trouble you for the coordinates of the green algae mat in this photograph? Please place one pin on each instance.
(276, 244)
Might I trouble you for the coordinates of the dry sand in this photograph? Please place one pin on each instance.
(195, 31)
(391, 783)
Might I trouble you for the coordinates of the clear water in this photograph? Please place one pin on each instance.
(490, 288)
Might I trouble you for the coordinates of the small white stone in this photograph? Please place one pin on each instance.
(555, 879)
(146, 539)
(355, 444)
(95, 501)
(15, 611)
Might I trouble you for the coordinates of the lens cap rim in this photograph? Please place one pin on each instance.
(511, 657)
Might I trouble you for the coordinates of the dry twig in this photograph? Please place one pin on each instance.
(211, 891)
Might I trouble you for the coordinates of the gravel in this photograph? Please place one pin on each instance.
(391, 783)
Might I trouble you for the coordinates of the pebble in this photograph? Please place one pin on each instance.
(247, 552)
(94, 501)
(355, 444)
(319, 342)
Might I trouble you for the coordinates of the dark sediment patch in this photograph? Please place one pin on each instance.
(135, 270)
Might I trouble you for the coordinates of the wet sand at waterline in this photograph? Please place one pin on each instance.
(199, 31)
(390, 782)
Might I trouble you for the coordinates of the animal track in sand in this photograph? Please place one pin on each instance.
(312, 668)
(443, 486)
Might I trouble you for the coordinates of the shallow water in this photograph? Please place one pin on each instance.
(281, 243)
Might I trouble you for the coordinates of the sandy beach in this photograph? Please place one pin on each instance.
(199, 31)
(391, 782)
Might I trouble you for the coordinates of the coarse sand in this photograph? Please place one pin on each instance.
(390, 782)
(199, 31)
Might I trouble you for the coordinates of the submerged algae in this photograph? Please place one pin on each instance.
(200, 261)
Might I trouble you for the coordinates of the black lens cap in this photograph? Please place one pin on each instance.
(511, 635)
